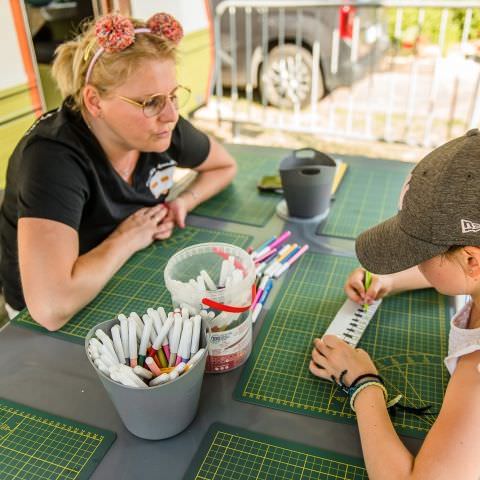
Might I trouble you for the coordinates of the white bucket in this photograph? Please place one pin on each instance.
(230, 331)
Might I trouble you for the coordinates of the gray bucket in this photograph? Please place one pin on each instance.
(307, 178)
(156, 412)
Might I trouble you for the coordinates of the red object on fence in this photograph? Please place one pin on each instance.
(346, 16)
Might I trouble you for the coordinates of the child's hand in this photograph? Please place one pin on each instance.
(331, 356)
(380, 287)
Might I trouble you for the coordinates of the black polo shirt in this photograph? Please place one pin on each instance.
(59, 172)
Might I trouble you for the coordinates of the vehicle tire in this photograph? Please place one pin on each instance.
(286, 78)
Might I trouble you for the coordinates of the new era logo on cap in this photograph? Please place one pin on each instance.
(469, 226)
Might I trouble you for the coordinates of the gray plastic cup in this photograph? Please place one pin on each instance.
(307, 178)
(159, 412)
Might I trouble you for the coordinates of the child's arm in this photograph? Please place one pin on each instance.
(451, 446)
(382, 285)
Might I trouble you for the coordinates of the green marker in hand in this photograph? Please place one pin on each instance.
(367, 281)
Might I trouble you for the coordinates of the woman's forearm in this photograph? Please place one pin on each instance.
(385, 455)
(207, 184)
(89, 275)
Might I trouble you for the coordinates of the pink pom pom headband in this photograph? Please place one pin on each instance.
(115, 33)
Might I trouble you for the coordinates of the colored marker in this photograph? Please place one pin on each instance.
(124, 333)
(265, 256)
(147, 328)
(107, 342)
(132, 341)
(197, 326)
(177, 330)
(225, 256)
(208, 280)
(95, 346)
(274, 243)
(367, 281)
(138, 324)
(225, 271)
(168, 339)
(106, 357)
(162, 314)
(201, 283)
(160, 337)
(195, 359)
(162, 359)
(280, 239)
(271, 261)
(102, 367)
(259, 270)
(285, 259)
(180, 368)
(260, 290)
(93, 352)
(163, 378)
(287, 265)
(261, 302)
(150, 363)
(121, 378)
(129, 373)
(165, 348)
(283, 254)
(264, 245)
(157, 322)
(117, 343)
(185, 342)
(167, 369)
(143, 372)
(185, 313)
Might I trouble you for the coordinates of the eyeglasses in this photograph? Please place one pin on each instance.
(154, 105)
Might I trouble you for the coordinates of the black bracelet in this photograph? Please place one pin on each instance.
(367, 375)
(351, 388)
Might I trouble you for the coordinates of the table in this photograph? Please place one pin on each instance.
(54, 375)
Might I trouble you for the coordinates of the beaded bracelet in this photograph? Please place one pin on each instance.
(362, 386)
(362, 382)
(350, 389)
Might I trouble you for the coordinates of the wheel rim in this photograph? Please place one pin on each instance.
(290, 78)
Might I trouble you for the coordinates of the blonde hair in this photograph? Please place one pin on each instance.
(72, 59)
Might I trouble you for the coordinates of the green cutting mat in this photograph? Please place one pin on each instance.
(37, 445)
(367, 195)
(407, 339)
(241, 202)
(137, 285)
(236, 454)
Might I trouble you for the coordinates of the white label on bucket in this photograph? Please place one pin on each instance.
(231, 341)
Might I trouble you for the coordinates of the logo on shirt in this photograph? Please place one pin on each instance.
(160, 178)
(469, 227)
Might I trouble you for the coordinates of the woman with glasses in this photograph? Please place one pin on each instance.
(86, 186)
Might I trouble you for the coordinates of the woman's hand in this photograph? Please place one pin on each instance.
(331, 356)
(381, 286)
(177, 211)
(144, 226)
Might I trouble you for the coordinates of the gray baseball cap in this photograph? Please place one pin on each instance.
(439, 207)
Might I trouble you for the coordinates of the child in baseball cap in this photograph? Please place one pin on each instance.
(433, 241)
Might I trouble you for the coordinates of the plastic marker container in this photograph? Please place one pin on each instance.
(307, 178)
(155, 412)
(225, 309)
